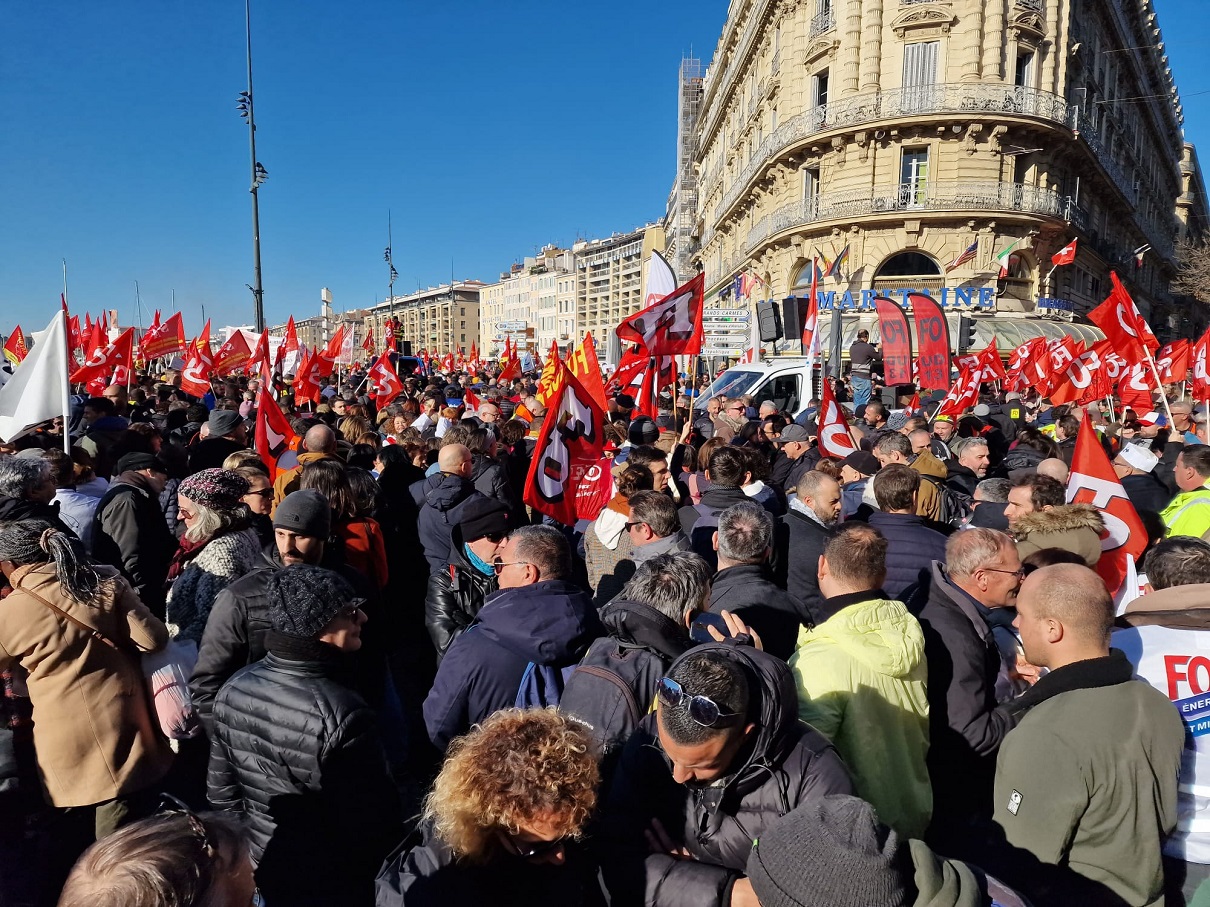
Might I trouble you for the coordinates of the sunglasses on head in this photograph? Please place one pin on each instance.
(530, 849)
(702, 709)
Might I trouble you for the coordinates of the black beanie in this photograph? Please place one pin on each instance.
(831, 852)
(643, 431)
(304, 512)
(482, 516)
(304, 599)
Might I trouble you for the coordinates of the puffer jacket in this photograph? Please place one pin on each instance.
(787, 764)
(490, 479)
(714, 501)
(1021, 457)
(443, 498)
(861, 678)
(911, 547)
(747, 591)
(129, 533)
(222, 560)
(297, 753)
(1072, 527)
(455, 596)
(550, 623)
(798, 541)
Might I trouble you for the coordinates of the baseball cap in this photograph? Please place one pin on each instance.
(793, 432)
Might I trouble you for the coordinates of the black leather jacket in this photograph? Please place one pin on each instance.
(454, 597)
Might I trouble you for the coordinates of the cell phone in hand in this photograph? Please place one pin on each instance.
(699, 630)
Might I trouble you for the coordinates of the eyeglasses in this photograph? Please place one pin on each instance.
(702, 709)
(496, 537)
(499, 565)
(351, 609)
(628, 526)
(739, 408)
(527, 850)
(1019, 573)
(263, 493)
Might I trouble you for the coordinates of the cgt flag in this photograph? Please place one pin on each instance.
(569, 446)
(195, 377)
(835, 439)
(15, 350)
(672, 326)
(1094, 482)
(164, 339)
(386, 381)
(275, 440)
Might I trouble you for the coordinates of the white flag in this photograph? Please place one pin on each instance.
(35, 392)
(661, 280)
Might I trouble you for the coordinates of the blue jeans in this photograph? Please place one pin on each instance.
(861, 389)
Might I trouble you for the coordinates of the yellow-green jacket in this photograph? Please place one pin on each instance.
(861, 679)
(1189, 513)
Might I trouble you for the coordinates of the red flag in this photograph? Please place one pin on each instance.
(645, 401)
(274, 439)
(471, 401)
(76, 335)
(290, 344)
(335, 343)
(933, 336)
(164, 339)
(834, 437)
(964, 394)
(103, 361)
(508, 350)
(671, 326)
(386, 381)
(810, 325)
(584, 365)
(547, 390)
(307, 384)
(368, 343)
(896, 341)
(1066, 255)
(986, 362)
(260, 355)
(97, 341)
(511, 365)
(232, 355)
(1094, 482)
(1136, 389)
(14, 348)
(195, 378)
(1019, 361)
(1078, 381)
(1172, 362)
(568, 450)
(1119, 318)
(1201, 367)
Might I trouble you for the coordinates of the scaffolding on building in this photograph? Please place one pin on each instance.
(689, 103)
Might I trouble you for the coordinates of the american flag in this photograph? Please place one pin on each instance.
(967, 255)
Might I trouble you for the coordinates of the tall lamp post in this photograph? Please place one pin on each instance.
(259, 175)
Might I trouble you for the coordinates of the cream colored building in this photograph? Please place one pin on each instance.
(611, 283)
(908, 130)
(523, 305)
(440, 319)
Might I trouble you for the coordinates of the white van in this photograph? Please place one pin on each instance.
(789, 381)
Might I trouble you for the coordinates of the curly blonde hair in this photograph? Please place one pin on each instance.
(517, 766)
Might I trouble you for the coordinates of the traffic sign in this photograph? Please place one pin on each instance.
(737, 313)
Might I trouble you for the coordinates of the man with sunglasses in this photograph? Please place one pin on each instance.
(959, 603)
(721, 759)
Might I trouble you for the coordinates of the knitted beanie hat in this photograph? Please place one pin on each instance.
(304, 599)
(831, 852)
(215, 489)
(305, 512)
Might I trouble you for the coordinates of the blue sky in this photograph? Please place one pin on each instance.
(487, 128)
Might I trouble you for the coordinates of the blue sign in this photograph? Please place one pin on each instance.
(863, 300)
(1055, 305)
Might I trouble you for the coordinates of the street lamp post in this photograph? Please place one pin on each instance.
(259, 175)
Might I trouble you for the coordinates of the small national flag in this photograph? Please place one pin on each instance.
(1004, 256)
(1066, 255)
(14, 348)
(824, 267)
(968, 254)
(839, 262)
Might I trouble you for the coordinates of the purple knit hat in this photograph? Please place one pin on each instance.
(215, 489)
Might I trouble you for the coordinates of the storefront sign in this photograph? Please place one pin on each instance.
(947, 297)
(1047, 304)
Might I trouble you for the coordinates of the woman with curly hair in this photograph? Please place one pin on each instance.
(503, 820)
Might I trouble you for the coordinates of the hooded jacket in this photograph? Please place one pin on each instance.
(1164, 634)
(861, 678)
(1072, 527)
(128, 532)
(297, 752)
(548, 623)
(490, 479)
(747, 591)
(641, 645)
(785, 764)
(928, 499)
(965, 726)
(443, 497)
(455, 596)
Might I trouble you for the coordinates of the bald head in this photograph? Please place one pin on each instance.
(1055, 468)
(1065, 614)
(320, 439)
(455, 460)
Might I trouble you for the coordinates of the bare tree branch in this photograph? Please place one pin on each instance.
(1193, 271)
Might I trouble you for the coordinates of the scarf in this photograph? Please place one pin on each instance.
(477, 562)
(184, 554)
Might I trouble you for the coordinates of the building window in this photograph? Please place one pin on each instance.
(913, 176)
(909, 269)
(1025, 69)
(819, 89)
(919, 75)
(810, 188)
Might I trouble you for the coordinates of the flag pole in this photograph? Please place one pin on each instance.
(1158, 384)
(65, 388)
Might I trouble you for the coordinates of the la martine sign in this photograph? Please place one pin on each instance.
(957, 297)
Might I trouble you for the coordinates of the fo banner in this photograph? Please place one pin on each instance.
(933, 337)
(896, 341)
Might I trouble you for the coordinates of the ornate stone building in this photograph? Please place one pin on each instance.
(909, 131)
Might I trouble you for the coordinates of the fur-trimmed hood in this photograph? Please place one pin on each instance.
(1064, 518)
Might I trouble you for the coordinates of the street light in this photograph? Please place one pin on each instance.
(259, 175)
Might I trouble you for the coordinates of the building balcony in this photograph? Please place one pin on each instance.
(899, 103)
(906, 199)
(823, 22)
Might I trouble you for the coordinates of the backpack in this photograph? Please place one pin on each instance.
(956, 506)
(542, 685)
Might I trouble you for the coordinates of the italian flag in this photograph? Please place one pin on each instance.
(1003, 257)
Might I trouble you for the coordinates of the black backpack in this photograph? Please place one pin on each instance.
(956, 506)
(607, 692)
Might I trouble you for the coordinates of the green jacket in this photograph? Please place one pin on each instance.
(861, 678)
(1087, 782)
(1189, 513)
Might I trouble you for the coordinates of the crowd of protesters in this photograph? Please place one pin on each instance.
(761, 675)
